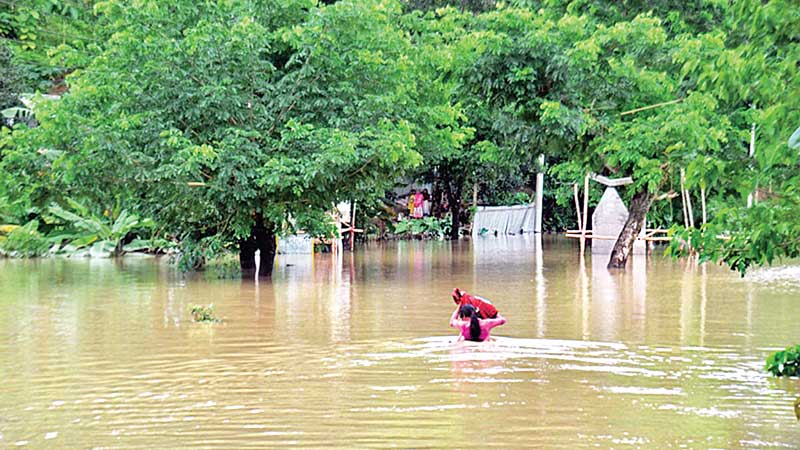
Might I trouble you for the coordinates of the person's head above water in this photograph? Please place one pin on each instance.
(457, 295)
(470, 312)
(467, 311)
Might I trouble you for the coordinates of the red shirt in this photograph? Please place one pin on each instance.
(485, 308)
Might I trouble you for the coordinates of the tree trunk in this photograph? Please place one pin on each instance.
(455, 225)
(454, 202)
(640, 205)
(452, 191)
(436, 197)
(262, 237)
(247, 257)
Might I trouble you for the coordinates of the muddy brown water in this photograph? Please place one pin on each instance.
(357, 353)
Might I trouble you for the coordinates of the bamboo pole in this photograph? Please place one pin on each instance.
(353, 227)
(614, 238)
(539, 195)
(577, 205)
(751, 153)
(703, 203)
(585, 212)
(647, 230)
(683, 200)
(645, 108)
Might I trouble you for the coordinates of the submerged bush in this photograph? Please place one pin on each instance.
(194, 254)
(784, 363)
(202, 313)
(223, 266)
(427, 227)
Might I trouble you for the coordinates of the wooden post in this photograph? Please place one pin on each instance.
(337, 234)
(645, 108)
(577, 205)
(585, 212)
(537, 227)
(353, 227)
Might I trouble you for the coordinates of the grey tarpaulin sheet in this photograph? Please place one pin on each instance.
(504, 219)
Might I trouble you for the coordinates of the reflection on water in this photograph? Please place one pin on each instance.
(353, 351)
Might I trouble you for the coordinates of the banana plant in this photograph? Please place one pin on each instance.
(102, 235)
(16, 113)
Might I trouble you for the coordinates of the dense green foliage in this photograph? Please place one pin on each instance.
(234, 114)
(223, 120)
(784, 363)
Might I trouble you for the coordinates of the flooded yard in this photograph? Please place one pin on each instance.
(356, 352)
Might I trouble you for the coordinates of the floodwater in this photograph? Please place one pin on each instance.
(357, 353)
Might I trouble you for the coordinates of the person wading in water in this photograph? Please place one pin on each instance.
(466, 319)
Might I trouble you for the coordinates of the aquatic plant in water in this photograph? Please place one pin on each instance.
(784, 363)
(202, 313)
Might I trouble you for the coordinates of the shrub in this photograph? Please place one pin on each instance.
(23, 241)
(427, 227)
(784, 363)
(194, 254)
(223, 266)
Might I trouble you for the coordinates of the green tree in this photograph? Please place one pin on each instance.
(750, 64)
(227, 121)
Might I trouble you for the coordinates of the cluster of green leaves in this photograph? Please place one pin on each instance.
(23, 241)
(513, 198)
(201, 313)
(194, 253)
(427, 227)
(224, 265)
(48, 39)
(745, 237)
(11, 83)
(784, 363)
(103, 235)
